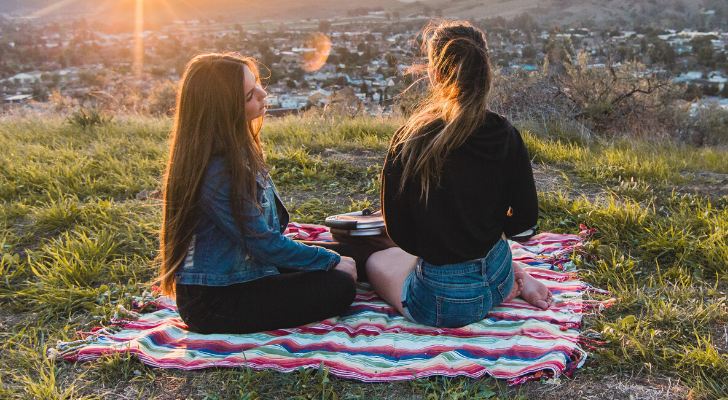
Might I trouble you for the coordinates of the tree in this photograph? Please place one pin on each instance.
(391, 60)
(297, 73)
(711, 90)
(524, 22)
(324, 26)
(39, 93)
(662, 52)
(528, 52)
(692, 92)
(703, 48)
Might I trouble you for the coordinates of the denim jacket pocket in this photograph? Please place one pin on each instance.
(262, 191)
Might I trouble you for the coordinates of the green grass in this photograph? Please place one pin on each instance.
(316, 133)
(75, 244)
(297, 169)
(646, 160)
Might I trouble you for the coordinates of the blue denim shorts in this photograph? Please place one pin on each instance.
(455, 295)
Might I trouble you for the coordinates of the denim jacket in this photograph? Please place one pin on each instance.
(217, 255)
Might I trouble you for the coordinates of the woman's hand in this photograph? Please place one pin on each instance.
(347, 265)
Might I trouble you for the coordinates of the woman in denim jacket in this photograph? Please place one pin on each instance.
(223, 252)
(457, 180)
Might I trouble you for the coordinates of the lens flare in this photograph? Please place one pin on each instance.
(138, 38)
(319, 48)
(170, 10)
(51, 8)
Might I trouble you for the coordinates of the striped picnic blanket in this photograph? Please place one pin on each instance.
(371, 342)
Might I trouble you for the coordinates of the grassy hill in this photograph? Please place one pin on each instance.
(76, 242)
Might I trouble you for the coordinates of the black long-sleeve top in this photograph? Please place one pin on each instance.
(466, 214)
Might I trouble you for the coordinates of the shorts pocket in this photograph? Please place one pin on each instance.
(504, 287)
(496, 270)
(454, 313)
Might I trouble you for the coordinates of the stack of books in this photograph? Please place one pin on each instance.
(358, 223)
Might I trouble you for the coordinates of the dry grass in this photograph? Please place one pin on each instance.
(76, 243)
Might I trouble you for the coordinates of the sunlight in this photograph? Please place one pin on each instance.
(200, 13)
(51, 8)
(169, 8)
(102, 6)
(138, 38)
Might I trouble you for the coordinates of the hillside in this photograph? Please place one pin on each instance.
(80, 235)
(547, 12)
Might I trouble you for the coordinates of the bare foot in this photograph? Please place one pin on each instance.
(517, 285)
(533, 291)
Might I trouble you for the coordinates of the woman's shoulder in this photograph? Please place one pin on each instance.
(493, 139)
(497, 122)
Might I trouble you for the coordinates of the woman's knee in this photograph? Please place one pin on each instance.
(379, 260)
(343, 287)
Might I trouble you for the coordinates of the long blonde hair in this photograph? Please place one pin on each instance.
(459, 68)
(209, 121)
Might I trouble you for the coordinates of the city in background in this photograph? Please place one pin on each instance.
(60, 60)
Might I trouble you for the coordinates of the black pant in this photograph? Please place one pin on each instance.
(286, 300)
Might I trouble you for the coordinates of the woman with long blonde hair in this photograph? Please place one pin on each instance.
(223, 252)
(456, 182)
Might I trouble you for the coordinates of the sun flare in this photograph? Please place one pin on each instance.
(138, 38)
(51, 8)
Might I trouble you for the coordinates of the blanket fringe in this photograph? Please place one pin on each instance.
(69, 350)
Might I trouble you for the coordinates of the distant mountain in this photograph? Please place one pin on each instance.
(547, 12)
(113, 11)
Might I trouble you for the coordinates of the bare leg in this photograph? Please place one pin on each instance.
(533, 291)
(387, 271)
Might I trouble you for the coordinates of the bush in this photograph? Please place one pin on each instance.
(163, 98)
(709, 126)
(608, 101)
(86, 118)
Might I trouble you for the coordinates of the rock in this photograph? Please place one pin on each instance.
(332, 153)
(149, 194)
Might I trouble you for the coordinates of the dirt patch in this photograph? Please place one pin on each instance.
(298, 197)
(705, 183)
(552, 179)
(548, 178)
(176, 384)
(356, 157)
(706, 189)
(9, 320)
(614, 387)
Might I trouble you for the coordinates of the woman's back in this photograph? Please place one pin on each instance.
(456, 179)
(464, 216)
